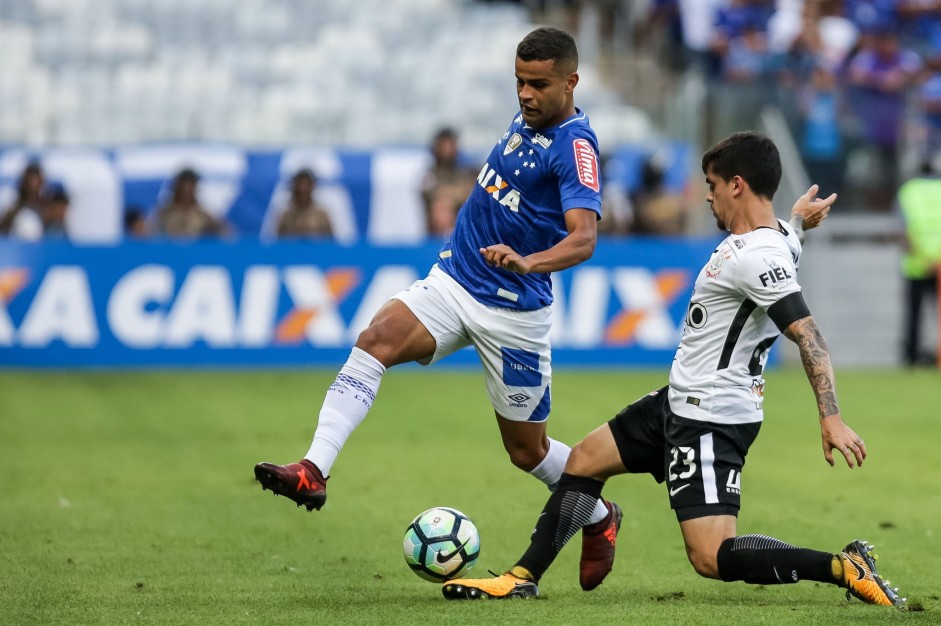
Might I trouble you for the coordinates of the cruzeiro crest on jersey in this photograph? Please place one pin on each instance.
(513, 143)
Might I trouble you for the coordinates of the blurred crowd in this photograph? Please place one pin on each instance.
(39, 209)
(859, 81)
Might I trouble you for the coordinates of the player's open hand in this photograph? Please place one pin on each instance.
(503, 256)
(811, 209)
(840, 437)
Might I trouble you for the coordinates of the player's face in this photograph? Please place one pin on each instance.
(718, 196)
(545, 93)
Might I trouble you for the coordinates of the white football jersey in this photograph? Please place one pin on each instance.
(716, 374)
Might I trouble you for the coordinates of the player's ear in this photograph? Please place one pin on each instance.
(738, 185)
(570, 82)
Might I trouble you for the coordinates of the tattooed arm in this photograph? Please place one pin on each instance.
(816, 359)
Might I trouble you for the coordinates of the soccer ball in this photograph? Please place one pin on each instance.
(440, 544)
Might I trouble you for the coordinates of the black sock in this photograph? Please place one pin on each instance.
(761, 560)
(567, 510)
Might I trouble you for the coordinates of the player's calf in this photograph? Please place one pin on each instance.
(763, 560)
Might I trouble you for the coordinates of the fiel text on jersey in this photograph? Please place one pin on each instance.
(775, 275)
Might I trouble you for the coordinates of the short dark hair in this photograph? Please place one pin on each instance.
(445, 132)
(187, 173)
(750, 155)
(56, 193)
(132, 215)
(550, 44)
(33, 168)
(305, 172)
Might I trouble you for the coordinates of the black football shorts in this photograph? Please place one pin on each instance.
(701, 462)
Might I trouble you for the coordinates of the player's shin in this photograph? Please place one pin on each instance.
(345, 406)
(761, 560)
(568, 509)
(550, 469)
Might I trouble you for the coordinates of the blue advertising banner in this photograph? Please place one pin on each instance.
(253, 304)
(372, 196)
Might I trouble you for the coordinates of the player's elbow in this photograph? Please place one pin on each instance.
(589, 249)
(585, 247)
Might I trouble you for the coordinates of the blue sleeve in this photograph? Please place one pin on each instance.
(577, 168)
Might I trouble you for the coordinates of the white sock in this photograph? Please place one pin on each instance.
(550, 470)
(600, 512)
(345, 406)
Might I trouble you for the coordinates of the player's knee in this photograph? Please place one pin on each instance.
(374, 341)
(369, 339)
(396, 336)
(578, 461)
(704, 563)
(526, 455)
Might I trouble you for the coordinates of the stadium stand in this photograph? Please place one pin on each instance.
(264, 72)
(114, 97)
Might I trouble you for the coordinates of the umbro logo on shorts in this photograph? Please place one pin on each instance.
(518, 400)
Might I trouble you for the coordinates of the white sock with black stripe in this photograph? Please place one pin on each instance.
(550, 470)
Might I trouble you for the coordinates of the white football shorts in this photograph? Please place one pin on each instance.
(513, 346)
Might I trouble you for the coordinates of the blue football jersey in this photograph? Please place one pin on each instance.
(531, 178)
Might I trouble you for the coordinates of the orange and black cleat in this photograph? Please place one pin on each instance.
(861, 579)
(498, 588)
(302, 482)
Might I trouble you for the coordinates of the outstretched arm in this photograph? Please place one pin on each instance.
(816, 359)
(809, 211)
(576, 247)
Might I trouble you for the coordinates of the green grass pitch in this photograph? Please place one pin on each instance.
(128, 498)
